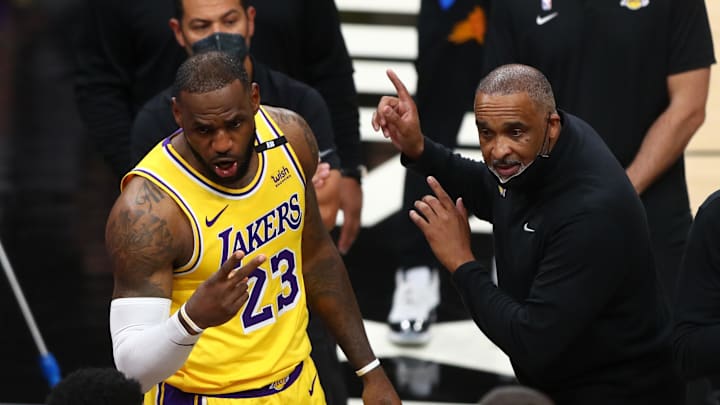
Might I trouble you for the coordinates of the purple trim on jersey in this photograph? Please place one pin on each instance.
(169, 137)
(285, 146)
(197, 224)
(205, 183)
(175, 396)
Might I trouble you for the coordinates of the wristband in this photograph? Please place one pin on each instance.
(189, 321)
(368, 368)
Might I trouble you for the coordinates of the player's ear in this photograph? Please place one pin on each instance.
(174, 24)
(255, 96)
(177, 115)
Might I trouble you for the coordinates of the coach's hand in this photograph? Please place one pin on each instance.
(222, 295)
(445, 226)
(399, 121)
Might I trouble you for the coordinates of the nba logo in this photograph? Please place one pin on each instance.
(546, 5)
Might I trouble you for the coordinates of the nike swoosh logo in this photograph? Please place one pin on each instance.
(526, 228)
(211, 222)
(542, 20)
(312, 386)
(325, 152)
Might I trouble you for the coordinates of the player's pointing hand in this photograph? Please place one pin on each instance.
(222, 295)
(397, 117)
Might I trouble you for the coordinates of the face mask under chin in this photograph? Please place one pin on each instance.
(525, 177)
(503, 181)
(231, 44)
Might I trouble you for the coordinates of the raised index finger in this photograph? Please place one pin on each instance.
(402, 91)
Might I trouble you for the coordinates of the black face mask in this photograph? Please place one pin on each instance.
(231, 44)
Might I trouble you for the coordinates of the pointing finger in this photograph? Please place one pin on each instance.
(402, 91)
(231, 263)
(245, 270)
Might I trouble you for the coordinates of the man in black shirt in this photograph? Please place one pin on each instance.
(697, 307)
(228, 25)
(124, 55)
(578, 309)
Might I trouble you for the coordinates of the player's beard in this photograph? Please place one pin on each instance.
(243, 164)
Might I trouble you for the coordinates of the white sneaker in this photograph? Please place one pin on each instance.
(417, 294)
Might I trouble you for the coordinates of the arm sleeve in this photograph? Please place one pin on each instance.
(329, 70)
(697, 327)
(102, 81)
(690, 40)
(148, 345)
(459, 176)
(580, 260)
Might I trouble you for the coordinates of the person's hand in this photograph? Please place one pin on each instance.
(328, 198)
(322, 172)
(222, 295)
(445, 226)
(351, 201)
(377, 389)
(398, 119)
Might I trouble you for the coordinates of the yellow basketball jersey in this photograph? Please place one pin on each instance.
(267, 338)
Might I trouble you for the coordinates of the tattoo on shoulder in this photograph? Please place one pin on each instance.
(148, 194)
(290, 118)
(138, 238)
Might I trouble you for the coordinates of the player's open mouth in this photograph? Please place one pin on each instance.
(226, 169)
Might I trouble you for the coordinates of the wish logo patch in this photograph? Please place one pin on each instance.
(281, 175)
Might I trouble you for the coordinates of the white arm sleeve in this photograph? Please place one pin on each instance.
(148, 345)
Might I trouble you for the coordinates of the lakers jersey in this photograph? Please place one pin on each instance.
(266, 339)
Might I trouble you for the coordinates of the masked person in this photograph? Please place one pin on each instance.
(578, 308)
(228, 26)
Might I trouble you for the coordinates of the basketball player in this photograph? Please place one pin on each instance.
(216, 239)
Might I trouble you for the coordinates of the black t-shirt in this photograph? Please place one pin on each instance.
(125, 55)
(608, 62)
(697, 329)
(155, 121)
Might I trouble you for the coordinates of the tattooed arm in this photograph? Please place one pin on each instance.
(146, 233)
(328, 195)
(329, 292)
(146, 236)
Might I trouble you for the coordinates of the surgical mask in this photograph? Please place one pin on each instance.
(231, 44)
(529, 176)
